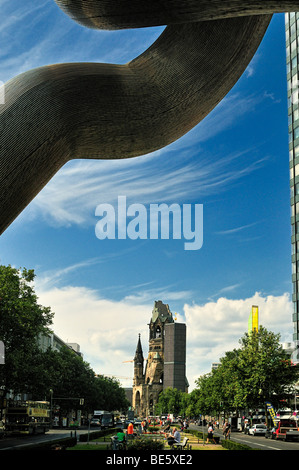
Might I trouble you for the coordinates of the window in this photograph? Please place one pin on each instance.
(291, 173)
(293, 268)
(293, 46)
(296, 133)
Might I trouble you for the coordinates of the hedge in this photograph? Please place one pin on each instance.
(96, 434)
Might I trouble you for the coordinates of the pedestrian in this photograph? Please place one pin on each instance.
(210, 434)
(130, 430)
(226, 430)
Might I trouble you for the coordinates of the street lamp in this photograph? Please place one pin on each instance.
(51, 405)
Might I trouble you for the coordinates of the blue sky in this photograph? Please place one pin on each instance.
(235, 163)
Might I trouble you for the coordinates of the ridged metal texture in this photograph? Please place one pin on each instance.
(60, 112)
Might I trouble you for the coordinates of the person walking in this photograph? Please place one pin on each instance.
(130, 430)
(226, 430)
(210, 434)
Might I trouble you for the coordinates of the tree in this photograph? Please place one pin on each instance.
(22, 320)
(110, 396)
(170, 401)
(258, 371)
(268, 373)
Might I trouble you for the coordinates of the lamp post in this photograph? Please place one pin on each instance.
(51, 406)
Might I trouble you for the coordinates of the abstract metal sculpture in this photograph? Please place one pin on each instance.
(61, 112)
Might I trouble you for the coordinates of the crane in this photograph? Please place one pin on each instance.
(118, 377)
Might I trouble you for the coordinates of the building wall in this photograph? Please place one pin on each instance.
(292, 53)
(175, 356)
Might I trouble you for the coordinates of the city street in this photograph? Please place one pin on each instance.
(256, 442)
(21, 442)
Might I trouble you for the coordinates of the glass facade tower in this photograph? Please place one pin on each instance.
(292, 52)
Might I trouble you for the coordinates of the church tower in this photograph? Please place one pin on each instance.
(155, 362)
(138, 365)
(166, 361)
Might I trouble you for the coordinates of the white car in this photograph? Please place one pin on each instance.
(257, 430)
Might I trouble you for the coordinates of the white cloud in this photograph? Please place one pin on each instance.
(216, 327)
(107, 331)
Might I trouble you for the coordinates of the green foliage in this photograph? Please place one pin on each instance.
(145, 444)
(247, 377)
(22, 320)
(258, 371)
(171, 400)
(27, 369)
(231, 445)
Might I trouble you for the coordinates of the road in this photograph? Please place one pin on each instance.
(256, 442)
(20, 442)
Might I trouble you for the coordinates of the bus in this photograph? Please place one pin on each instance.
(30, 417)
(105, 418)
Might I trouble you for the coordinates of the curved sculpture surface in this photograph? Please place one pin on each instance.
(120, 14)
(87, 110)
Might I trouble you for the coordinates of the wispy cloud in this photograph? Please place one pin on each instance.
(73, 194)
(38, 33)
(145, 296)
(60, 275)
(226, 290)
(236, 229)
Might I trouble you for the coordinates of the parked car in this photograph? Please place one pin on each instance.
(95, 422)
(257, 430)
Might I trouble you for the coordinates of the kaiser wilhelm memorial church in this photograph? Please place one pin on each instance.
(166, 362)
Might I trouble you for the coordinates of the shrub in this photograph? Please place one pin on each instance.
(145, 444)
(96, 434)
(230, 445)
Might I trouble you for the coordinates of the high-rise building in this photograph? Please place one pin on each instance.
(292, 48)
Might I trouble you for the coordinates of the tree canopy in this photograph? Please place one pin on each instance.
(247, 377)
(60, 375)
